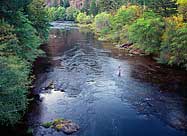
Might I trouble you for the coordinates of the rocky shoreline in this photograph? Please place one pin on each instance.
(131, 49)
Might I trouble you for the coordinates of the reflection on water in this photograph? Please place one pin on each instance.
(144, 100)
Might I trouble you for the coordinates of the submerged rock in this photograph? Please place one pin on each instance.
(47, 124)
(51, 85)
(62, 90)
(66, 126)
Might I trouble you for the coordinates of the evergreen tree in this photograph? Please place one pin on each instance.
(109, 5)
(55, 3)
(163, 7)
(183, 8)
(65, 3)
(93, 8)
(86, 6)
(37, 14)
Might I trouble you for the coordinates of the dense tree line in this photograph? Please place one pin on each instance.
(61, 13)
(23, 27)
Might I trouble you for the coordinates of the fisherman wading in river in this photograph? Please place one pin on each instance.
(119, 71)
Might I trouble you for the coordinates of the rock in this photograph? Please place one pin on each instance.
(37, 97)
(47, 124)
(62, 90)
(50, 86)
(66, 126)
(70, 128)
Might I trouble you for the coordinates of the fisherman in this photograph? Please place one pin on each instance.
(119, 71)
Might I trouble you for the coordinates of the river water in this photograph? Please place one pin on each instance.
(146, 99)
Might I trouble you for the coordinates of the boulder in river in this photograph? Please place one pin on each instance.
(51, 85)
(66, 126)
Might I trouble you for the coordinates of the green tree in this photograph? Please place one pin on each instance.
(55, 3)
(109, 5)
(56, 13)
(82, 18)
(162, 7)
(71, 13)
(125, 15)
(174, 49)
(86, 7)
(37, 14)
(147, 32)
(102, 23)
(65, 3)
(183, 8)
(120, 22)
(8, 40)
(29, 42)
(93, 8)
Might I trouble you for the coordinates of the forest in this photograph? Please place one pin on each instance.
(24, 26)
(158, 28)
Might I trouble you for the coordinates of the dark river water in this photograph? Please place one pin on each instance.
(145, 100)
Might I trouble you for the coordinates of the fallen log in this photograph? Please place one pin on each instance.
(126, 45)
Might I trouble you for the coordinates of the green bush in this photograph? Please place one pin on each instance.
(147, 32)
(82, 18)
(71, 13)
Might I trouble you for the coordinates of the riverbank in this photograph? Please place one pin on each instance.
(150, 32)
(130, 48)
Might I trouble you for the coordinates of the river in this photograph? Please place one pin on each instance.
(146, 99)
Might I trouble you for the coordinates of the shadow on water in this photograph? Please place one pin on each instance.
(146, 99)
